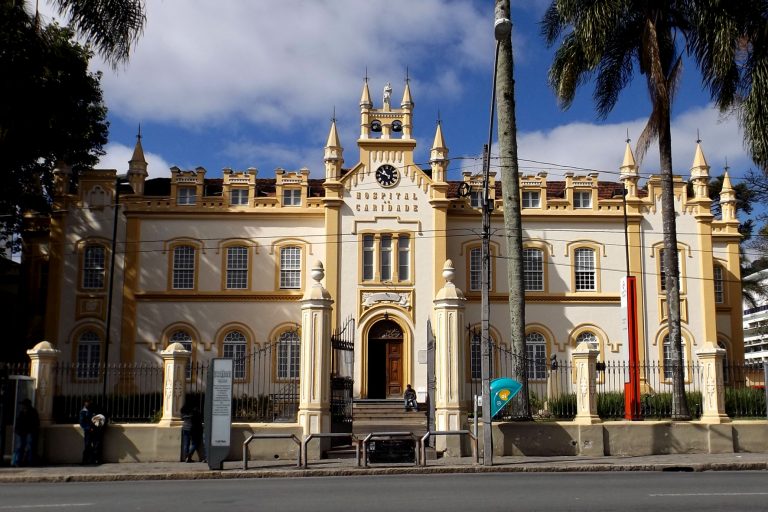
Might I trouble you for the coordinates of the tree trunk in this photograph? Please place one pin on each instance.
(513, 225)
(672, 282)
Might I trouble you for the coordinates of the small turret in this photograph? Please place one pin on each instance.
(333, 154)
(700, 174)
(727, 199)
(629, 171)
(438, 156)
(365, 98)
(137, 167)
(407, 103)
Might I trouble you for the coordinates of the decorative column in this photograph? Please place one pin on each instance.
(175, 359)
(450, 361)
(315, 360)
(585, 365)
(42, 358)
(712, 389)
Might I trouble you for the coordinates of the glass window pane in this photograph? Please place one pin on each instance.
(404, 258)
(237, 268)
(585, 270)
(88, 355)
(183, 267)
(475, 269)
(533, 266)
(719, 285)
(385, 250)
(234, 348)
(93, 267)
(290, 267)
(288, 355)
(475, 354)
(536, 355)
(368, 257)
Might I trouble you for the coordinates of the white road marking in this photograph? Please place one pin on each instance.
(51, 505)
(712, 494)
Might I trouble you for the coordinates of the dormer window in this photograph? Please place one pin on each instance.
(531, 199)
(476, 198)
(292, 197)
(185, 196)
(238, 197)
(582, 199)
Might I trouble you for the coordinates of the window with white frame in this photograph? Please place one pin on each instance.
(589, 338)
(238, 197)
(719, 284)
(368, 252)
(582, 199)
(237, 268)
(234, 348)
(290, 267)
(663, 271)
(475, 269)
(93, 266)
(536, 355)
(385, 257)
(183, 267)
(88, 355)
(292, 197)
(533, 267)
(667, 357)
(476, 198)
(531, 199)
(185, 339)
(475, 355)
(584, 268)
(403, 258)
(288, 355)
(185, 195)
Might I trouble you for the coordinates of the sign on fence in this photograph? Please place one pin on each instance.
(218, 411)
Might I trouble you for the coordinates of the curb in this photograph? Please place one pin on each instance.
(345, 472)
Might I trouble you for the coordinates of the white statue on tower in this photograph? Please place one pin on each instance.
(387, 93)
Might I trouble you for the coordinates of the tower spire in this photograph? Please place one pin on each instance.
(700, 172)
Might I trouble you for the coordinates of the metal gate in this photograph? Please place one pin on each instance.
(431, 379)
(342, 368)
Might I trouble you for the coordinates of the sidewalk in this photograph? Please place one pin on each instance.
(348, 467)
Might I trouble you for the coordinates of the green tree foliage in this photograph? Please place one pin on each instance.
(52, 110)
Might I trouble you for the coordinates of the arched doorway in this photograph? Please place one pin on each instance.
(385, 360)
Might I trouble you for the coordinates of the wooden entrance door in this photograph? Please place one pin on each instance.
(385, 360)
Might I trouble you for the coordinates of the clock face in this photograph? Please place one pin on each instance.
(387, 176)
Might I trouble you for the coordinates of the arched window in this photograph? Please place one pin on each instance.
(722, 345)
(667, 356)
(234, 348)
(185, 339)
(88, 355)
(288, 355)
(475, 354)
(589, 338)
(536, 355)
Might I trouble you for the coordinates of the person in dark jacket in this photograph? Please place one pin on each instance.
(409, 397)
(89, 432)
(192, 433)
(25, 430)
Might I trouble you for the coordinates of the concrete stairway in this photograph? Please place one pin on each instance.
(386, 416)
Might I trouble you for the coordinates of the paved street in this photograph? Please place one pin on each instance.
(592, 492)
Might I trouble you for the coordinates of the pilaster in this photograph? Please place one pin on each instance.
(585, 366)
(42, 359)
(711, 385)
(175, 359)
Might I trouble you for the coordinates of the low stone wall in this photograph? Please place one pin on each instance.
(63, 444)
(625, 438)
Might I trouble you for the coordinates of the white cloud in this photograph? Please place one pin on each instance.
(118, 155)
(276, 62)
(601, 146)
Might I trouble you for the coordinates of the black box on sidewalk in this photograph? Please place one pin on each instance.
(392, 450)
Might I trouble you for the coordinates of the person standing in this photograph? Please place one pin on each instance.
(192, 433)
(89, 431)
(25, 430)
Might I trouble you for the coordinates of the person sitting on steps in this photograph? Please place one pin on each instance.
(410, 399)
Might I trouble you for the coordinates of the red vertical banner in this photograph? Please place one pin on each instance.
(629, 311)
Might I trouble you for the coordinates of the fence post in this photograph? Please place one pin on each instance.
(315, 359)
(712, 388)
(175, 359)
(584, 363)
(450, 369)
(43, 357)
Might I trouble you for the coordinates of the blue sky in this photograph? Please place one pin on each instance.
(236, 83)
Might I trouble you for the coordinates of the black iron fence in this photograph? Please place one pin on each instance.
(133, 391)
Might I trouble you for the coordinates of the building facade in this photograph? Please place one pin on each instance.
(220, 265)
(756, 323)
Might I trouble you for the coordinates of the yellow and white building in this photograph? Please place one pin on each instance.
(221, 264)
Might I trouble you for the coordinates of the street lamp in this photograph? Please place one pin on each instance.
(502, 28)
(119, 179)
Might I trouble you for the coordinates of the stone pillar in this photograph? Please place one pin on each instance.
(450, 362)
(175, 359)
(42, 358)
(315, 360)
(712, 389)
(584, 364)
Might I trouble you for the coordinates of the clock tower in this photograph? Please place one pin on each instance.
(386, 142)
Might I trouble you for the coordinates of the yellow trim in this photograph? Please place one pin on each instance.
(179, 326)
(682, 248)
(80, 247)
(466, 248)
(332, 261)
(662, 308)
(687, 339)
(74, 340)
(90, 306)
(406, 352)
(596, 247)
(274, 340)
(277, 249)
(602, 339)
(395, 257)
(130, 285)
(495, 336)
(546, 255)
(224, 247)
(549, 343)
(219, 296)
(249, 343)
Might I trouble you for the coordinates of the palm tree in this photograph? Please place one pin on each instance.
(111, 27)
(610, 38)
